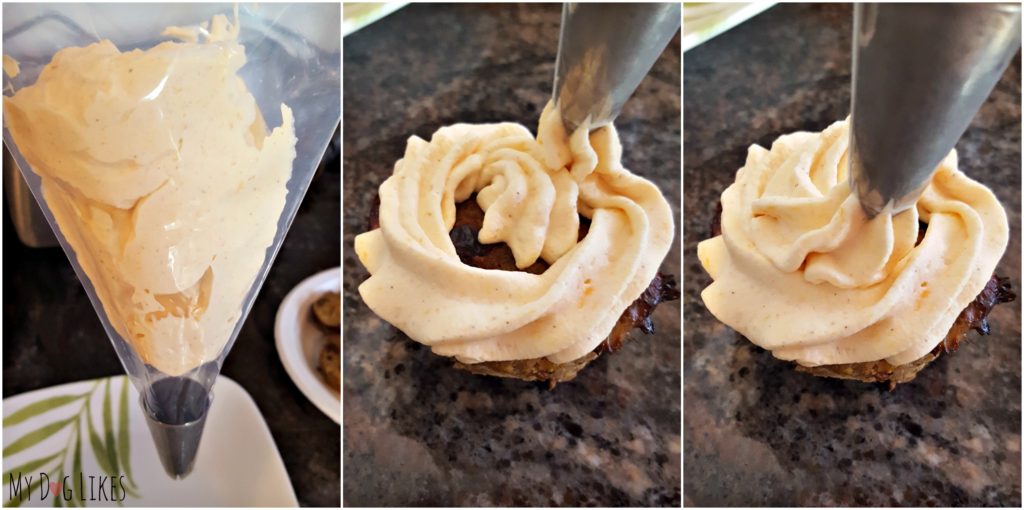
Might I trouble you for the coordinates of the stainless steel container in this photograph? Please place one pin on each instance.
(28, 219)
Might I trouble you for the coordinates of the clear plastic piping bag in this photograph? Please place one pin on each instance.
(292, 57)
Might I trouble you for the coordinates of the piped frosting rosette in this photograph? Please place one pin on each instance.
(533, 191)
(801, 271)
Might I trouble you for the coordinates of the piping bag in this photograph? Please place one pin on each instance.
(171, 209)
(920, 73)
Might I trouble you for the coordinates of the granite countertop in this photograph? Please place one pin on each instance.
(39, 351)
(419, 432)
(757, 432)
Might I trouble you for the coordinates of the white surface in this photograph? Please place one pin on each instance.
(299, 340)
(237, 464)
(704, 21)
(360, 15)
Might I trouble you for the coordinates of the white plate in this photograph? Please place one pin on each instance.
(704, 20)
(299, 340)
(359, 15)
(237, 464)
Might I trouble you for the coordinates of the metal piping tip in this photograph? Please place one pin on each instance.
(914, 93)
(604, 52)
(176, 410)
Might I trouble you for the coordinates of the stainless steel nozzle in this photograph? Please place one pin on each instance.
(176, 409)
(920, 73)
(604, 51)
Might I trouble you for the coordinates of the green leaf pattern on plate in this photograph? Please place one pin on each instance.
(36, 436)
(30, 466)
(110, 446)
(76, 462)
(36, 408)
(122, 436)
(108, 428)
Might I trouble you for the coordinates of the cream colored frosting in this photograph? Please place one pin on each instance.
(159, 171)
(11, 66)
(801, 271)
(532, 191)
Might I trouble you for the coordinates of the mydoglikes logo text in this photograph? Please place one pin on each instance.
(24, 487)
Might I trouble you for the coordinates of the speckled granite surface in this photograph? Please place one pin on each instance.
(757, 432)
(418, 432)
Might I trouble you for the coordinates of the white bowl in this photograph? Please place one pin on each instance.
(299, 340)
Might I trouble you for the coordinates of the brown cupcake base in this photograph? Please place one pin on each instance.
(638, 315)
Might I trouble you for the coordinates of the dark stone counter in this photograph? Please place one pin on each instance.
(419, 432)
(51, 335)
(757, 432)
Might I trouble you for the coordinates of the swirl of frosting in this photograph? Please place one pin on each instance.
(533, 191)
(801, 271)
(161, 175)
